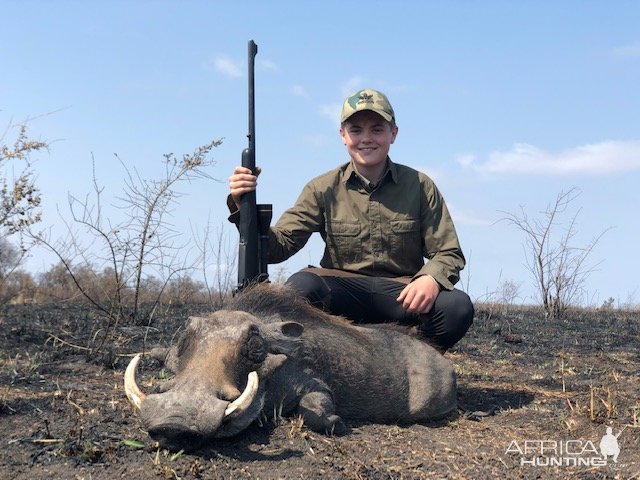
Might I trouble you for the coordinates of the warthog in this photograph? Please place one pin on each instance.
(274, 353)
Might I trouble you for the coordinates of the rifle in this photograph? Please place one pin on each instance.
(254, 219)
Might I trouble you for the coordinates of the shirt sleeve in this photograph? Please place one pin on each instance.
(234, 211)
(440, 241)
(293, 228)
(295, 225)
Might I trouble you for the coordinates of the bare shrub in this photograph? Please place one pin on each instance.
(57, 285)
(218, 259)
(16, 286)
(608, 305)
(137, 256)
(183, 290)
(558, 268)
(508, 292)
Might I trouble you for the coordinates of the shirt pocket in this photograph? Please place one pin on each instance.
(406, 240)
(344, 243)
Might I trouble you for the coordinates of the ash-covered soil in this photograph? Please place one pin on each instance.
(535, 398)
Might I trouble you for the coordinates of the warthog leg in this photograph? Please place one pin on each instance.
(317, 410)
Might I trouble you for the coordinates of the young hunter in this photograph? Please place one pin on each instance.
(379, 220)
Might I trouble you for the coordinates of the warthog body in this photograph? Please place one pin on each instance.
(286, 356)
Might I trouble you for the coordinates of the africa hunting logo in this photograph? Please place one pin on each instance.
(567, 453)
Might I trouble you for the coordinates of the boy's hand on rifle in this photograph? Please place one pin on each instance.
(242, 181)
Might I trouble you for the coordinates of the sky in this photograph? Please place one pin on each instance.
(504, 104)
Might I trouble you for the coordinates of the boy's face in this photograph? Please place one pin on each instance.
(368, 138)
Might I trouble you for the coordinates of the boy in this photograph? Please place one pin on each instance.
(379, 221)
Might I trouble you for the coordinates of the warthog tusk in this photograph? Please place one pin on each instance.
(244, 400)
(135, 396)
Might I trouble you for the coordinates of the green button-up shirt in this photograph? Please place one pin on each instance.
(384, 230)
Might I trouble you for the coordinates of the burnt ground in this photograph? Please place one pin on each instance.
(524, 381)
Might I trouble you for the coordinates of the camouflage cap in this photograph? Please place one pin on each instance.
(368, 99)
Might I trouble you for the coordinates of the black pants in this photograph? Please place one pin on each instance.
(365, 299)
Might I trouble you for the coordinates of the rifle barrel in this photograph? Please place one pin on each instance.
(248, 253)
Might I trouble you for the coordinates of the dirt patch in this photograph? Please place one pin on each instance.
(525, 384)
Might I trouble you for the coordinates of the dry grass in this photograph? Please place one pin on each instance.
(521, 377)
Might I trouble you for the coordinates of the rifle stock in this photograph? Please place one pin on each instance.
(254, 219)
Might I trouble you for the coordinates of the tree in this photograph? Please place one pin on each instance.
(19, 200)
(558, 268)
(19, 195)
(10, 258)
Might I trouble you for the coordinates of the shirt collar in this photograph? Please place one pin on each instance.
(349, 172)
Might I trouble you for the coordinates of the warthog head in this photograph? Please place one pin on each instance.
(222, 363)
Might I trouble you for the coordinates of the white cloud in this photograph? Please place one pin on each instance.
(465, 159)
(331, 111)
(353, 84)
(631, 50)
(299, 91)
(467, 218)
(435, 174)
(234, 68)
(599, 158)
(268, 65)
(227, 66)
(316, 140)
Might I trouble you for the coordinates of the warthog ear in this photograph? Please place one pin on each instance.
(292, 329)
(283, 337)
